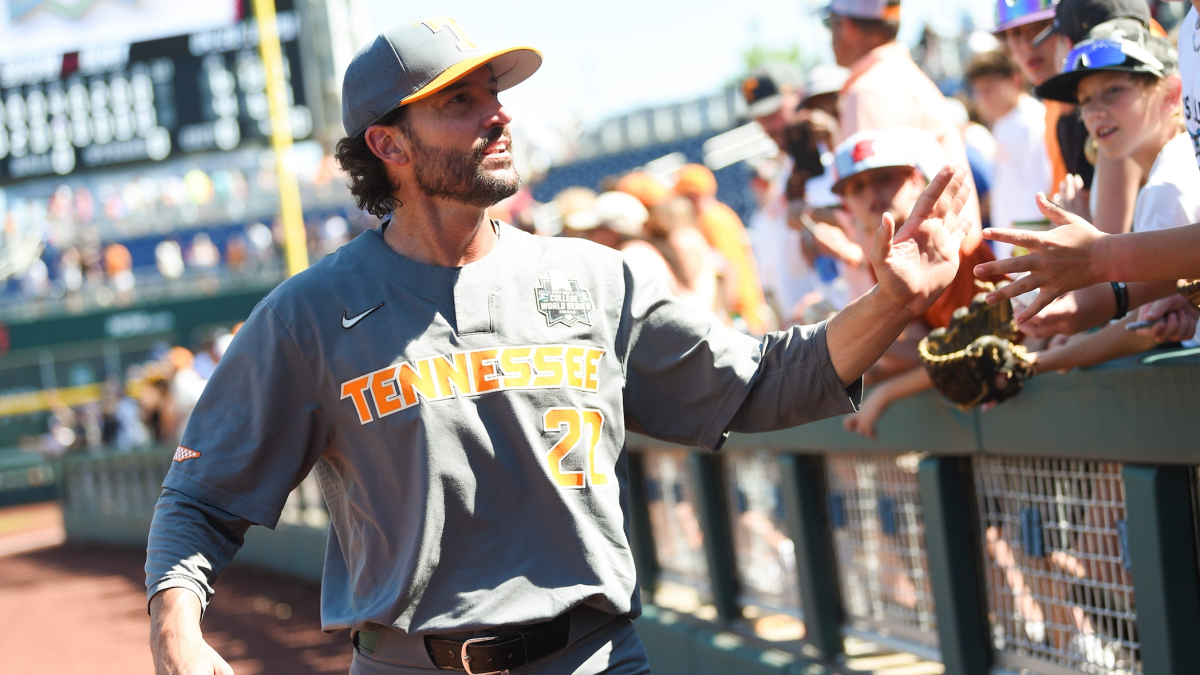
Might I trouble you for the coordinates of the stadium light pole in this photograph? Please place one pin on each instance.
(295, 242)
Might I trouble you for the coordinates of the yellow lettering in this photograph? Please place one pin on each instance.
(454, 374)
(354, 391)
(593, 421)
(575, 367)
(483, 370)
(415, 381)
(565, 420)
(549, 364)
(517, 374)
(591, 369)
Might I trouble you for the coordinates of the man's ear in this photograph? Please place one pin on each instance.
(388, 144)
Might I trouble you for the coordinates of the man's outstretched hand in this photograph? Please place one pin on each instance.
(917, 263)
(1060, 260)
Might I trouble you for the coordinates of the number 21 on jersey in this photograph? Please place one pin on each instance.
(579, 427)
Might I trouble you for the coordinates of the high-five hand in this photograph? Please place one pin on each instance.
(913, 266)
(1059, 260)
(917, 263)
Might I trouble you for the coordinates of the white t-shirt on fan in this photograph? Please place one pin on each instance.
(1022, 168)
(1189, 71)
(1171, 195)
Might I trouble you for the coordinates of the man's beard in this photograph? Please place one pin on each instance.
(444, 173)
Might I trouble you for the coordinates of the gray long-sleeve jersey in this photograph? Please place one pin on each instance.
(467, 426)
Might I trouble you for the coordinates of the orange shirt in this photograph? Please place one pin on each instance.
(725, 232)
(1058, 167)
(961, 290)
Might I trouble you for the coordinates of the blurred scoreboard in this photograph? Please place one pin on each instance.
(144, 102)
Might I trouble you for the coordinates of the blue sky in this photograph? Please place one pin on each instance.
(610, 56)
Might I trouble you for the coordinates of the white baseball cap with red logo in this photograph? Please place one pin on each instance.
(884, 148)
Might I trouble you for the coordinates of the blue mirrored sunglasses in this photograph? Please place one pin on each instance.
(1011, 10)
(1095, 54)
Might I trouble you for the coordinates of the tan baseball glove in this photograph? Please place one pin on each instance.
(1189, 289)
(974, 360)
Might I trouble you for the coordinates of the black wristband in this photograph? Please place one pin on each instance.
(1121, 293)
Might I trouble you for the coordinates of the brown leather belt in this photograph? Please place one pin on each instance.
(485, 655)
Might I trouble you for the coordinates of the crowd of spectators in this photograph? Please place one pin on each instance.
(1079, 100)
(109, 234)
(1085, 108)
(149, 408)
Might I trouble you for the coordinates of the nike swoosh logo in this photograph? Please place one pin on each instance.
(349, 323)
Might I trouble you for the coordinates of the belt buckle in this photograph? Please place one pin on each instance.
(466, 659)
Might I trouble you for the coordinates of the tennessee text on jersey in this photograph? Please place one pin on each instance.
(436, 378)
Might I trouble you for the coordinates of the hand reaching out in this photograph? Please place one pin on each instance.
(1074, 197)
(1179, 319)
(1059, 260)
(915, 264)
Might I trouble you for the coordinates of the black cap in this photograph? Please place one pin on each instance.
(766, 85)
(1073, 19)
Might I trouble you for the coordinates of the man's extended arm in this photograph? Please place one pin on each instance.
(913, 265)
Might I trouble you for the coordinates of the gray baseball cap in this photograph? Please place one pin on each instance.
(413, 60)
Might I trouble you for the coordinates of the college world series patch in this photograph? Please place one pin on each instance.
(182, 453)
(561, 300)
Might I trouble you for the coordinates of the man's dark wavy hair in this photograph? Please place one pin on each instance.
(369, 182)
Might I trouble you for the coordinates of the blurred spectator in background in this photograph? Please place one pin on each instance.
(812, 207)
(673, 229)
(618, 223)
(1018, 121)
(335, 232)
(118, 265)
(186, 385)
(574, 209)
(981, 149)
(203, 252)
(157, 406)
(885, 171)
(70, 269)
(886, 88)
(168, 258)
(772, 93)
(237, 256)
(1018, 25)
(725, 233)
(517, 210)
(262, 242)
(815, 130)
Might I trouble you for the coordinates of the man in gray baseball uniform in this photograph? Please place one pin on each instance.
(463, 390)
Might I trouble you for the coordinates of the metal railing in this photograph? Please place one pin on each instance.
(108, 484)
(958, 539)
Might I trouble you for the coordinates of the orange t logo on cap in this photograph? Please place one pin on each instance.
(437, 23)
(748, 88)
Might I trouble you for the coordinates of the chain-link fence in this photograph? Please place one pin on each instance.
(1057, 565)
(678, 539)
(879, 538)
(766, 556)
